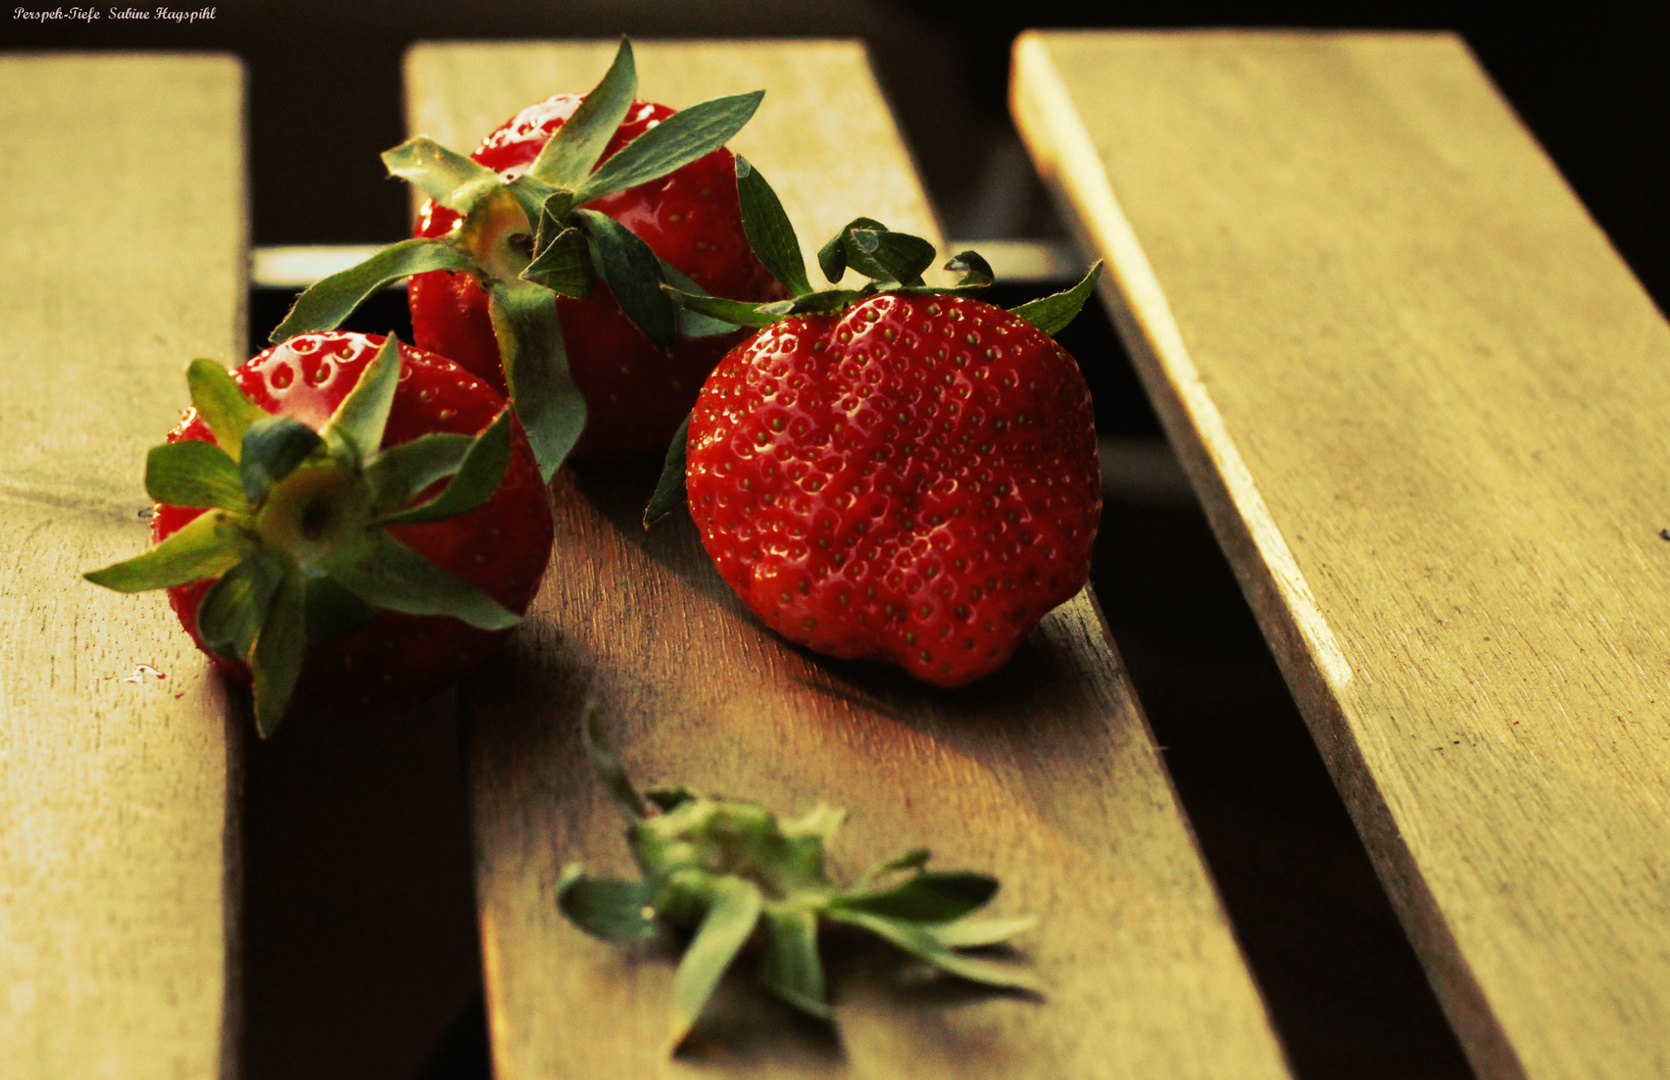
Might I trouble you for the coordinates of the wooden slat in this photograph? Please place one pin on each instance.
(1428, 410)
(1046, 773)
(123, 258)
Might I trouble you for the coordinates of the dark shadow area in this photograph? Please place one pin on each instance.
(384, 312)
(1592, 83)
(359, 946)
(359, 943)
(463, 1052)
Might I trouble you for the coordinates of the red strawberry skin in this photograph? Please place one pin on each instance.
(635, 396)
(396, 660)
(913, 481)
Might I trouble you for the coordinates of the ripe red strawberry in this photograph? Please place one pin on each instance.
(912, 481)
(303, 528)
(635, 395)
(540, 261)
(898, 472)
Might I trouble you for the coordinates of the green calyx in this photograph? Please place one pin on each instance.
(534, 230)
(725, 870)
(893, 261)
(296, 525)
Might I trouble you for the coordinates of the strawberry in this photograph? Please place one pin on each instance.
(539, 262)
(895, 473)
(343, 521)
(635, 394)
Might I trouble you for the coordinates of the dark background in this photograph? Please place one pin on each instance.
(1592, 81)
(359, 956)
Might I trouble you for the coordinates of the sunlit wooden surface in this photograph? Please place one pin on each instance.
(124, 258)
(1428, 410)
(1045, 773)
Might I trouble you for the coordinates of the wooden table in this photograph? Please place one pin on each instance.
(1428, 410)
(125, 249)
(1424, 402)
(1045, 774)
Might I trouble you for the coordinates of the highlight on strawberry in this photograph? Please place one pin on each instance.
(728, 870)
(343, 521)
(539, 261)
(897, 472)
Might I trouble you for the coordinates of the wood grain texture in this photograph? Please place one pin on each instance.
(124, 253)
(1045, 774)
(1428, 409)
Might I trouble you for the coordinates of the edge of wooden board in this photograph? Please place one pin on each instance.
(117, 840)
(1312, 663)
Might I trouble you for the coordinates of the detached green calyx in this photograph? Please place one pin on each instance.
(295, 524)
(893, 262)
(530, 239)
(722, 868)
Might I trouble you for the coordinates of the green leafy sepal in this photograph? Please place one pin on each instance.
(535, 230)
(725, 870)
(294, 534)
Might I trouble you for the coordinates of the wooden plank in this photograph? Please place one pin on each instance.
(1046, 774)
(124, 258)
(1427, 408)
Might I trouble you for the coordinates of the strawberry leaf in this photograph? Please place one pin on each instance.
(398, 474)
(832, 257)
(791, 968)
(607, 767)
(234, 608)
(975, 270)
(673, 143)
(205, 547)
(450, 178)
(928, 897)
(194, 473)
(552, 216)
(886, 256)
(386, 573)
(1051, 314)
(533, 195)
(770, 233)
(608, 910)
(735, 312)
(914, 859)
(550, 406)
(572, 153)
(478, 477)
(634, 275)
(221, 403)
(332, 299)
(276, 660)
(332, 610)
(669, 490)
(272, 449)
(733, 911)
(921, 943)
(692, 324)
(877, 252)
(563, 264)
(976, 933)
(822, 302)
(359, 420)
